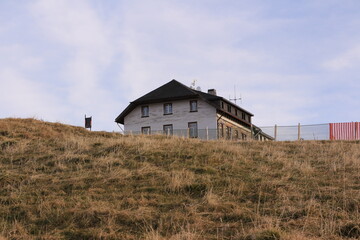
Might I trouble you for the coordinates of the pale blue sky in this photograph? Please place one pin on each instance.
(291, 61)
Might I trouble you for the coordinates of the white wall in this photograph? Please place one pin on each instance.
(205, 116)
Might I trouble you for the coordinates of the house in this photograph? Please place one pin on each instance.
(176, 109)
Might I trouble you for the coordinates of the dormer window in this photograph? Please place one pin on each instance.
(168, 109)
(243, 116)
(144, 111)
(193, 106)
(229, 108)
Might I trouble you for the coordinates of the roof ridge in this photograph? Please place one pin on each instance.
(189, 88)
(171, 86)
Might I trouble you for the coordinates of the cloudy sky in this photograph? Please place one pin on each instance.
(291, 61)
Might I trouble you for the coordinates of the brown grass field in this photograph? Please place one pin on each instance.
(64, 182)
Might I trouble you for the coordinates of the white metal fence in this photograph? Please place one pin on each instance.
(298, 132)
(279, 133)
(340, 131)
(206, 134)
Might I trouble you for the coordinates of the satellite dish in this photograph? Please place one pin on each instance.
(198, 88)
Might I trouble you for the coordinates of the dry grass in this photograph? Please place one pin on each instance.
(63, 182)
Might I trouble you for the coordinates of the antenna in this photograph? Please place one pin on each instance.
(193, 84)
(235, 98)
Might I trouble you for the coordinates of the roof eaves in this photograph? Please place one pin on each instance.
(121, 117)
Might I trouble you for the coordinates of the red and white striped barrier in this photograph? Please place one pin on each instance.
(345, 131)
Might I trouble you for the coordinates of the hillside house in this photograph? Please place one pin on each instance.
(176, 109)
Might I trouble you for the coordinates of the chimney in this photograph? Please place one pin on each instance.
(212, 92)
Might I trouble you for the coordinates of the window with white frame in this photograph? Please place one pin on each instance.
(168, 108)
(144, 111)
(146, 130)
(193, 129)
(193, 106)
(168, 129)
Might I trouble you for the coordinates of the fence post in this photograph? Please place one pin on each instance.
(251, 132)
(188, 132)
(207, 133)
(299, 132)
(275, 132)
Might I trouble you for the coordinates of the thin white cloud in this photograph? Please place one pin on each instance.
(23, 97)
(346, 60)
(76, 28)
(183, 43)
(19, 57)
(73, 23)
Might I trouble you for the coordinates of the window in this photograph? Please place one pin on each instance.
(243, 115)
(222, 105)
(243, 136)
(236, 112)
(220, 130)
(193, 106)
(145, 130)
(193, 129)
(249, 118)
(168, 108)
(229, 108)
(228, 132)
(168, 129)
(144, 111)
(236, 134)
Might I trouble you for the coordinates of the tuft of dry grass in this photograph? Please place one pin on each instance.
(64, 182)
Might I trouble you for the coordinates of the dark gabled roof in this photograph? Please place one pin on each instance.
(170, 91)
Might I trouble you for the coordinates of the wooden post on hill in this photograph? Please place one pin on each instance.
(275, 132)
(299, 132)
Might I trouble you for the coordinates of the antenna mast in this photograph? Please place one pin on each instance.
(235, 98)
(193, 84)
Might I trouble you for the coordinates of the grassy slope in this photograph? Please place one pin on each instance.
(63, 182)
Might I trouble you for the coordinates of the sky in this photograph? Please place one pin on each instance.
(290, 61)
